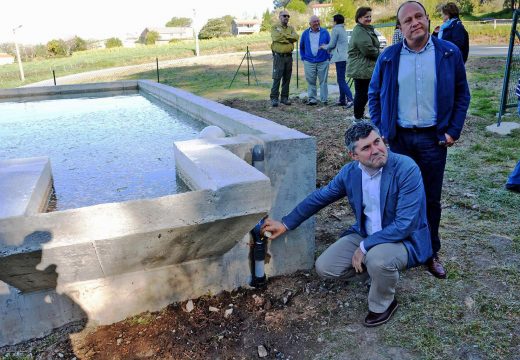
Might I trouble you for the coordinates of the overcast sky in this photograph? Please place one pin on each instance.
(44, 20)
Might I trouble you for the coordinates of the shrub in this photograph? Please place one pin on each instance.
(56, 48)
(151, 37)
(113, 42)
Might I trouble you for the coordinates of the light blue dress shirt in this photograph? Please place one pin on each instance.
(417, 100)
(314, 38)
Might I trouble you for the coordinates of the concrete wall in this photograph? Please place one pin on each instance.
(112, 261)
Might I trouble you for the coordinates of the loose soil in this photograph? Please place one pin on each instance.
(295, 317)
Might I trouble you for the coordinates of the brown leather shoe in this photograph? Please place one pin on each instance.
(376, 319)
(435, 268)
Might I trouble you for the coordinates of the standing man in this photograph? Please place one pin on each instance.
(315, 59)
(283, 36)
(386, 193)
(419, 98)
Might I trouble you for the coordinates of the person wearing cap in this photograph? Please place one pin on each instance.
(386, 194)
(419, 98)
(284, 37)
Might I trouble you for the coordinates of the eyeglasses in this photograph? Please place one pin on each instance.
(287, 16)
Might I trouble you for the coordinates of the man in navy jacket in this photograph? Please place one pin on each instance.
(386, 193)
(315, 59)
(418, 98)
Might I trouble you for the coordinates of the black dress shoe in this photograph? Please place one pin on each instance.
(435, 268)
(376, 319)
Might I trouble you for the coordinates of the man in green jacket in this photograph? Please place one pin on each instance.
(284, 37)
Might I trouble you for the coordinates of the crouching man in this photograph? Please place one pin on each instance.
(386, 193)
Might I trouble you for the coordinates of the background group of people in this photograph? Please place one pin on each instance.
(418, 99)
(318, 49)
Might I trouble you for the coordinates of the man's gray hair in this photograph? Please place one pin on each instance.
(356, 131)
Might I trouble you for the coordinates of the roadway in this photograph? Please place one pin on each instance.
(488, 50)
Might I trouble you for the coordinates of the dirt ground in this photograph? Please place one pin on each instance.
(296, 317)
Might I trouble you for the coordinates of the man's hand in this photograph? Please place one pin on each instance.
(449, 140)
(276, 228)
(357, 260)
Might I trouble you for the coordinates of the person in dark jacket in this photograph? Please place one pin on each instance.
(386, 193)
(452, 29)
(363, 50)
(419, 98)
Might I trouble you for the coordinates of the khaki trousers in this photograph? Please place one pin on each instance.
(383, 263)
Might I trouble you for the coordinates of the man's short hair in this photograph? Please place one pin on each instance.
(362, 11)
(451, 10)
(339, 19)
(356, 131)
(409, 2)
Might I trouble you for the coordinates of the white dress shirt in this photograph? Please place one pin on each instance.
(371, 185)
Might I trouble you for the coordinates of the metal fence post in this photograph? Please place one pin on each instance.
(248, 55)
(297, 75)
(504, 98)
(157, 63)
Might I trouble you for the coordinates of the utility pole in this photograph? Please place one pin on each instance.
(196, 31)
(22, 76)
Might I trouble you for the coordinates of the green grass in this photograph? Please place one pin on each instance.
(105, 58)
(141, 319)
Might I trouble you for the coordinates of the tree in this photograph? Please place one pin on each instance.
(297, 5)
(266, 21)
(179, 22)
(345, 8)
(280, 3)
(219, 27)
(40, 51)
(56, 48)
(151, 37)
(78, 44)
(113, 42)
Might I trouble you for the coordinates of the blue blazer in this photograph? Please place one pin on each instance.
(452, 90)
(403, 206)
(305, 47)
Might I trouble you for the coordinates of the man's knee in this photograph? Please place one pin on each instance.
(381, 260)
(321, 268)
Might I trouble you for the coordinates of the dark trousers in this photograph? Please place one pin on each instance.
(282, 70)
(423, 147)
(361, 97)
(344, 90)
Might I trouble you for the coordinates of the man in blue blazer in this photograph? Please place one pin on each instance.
(386, 193)
(315, 59)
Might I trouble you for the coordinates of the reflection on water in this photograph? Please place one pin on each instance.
(101, 149)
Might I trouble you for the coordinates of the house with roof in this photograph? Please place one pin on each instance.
(6, 59)
(166, 34)
(129, 40)
(245, 27)
(322, 10)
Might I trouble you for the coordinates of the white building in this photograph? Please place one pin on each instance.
(242, 27)
(166, 34)
(6, 59)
